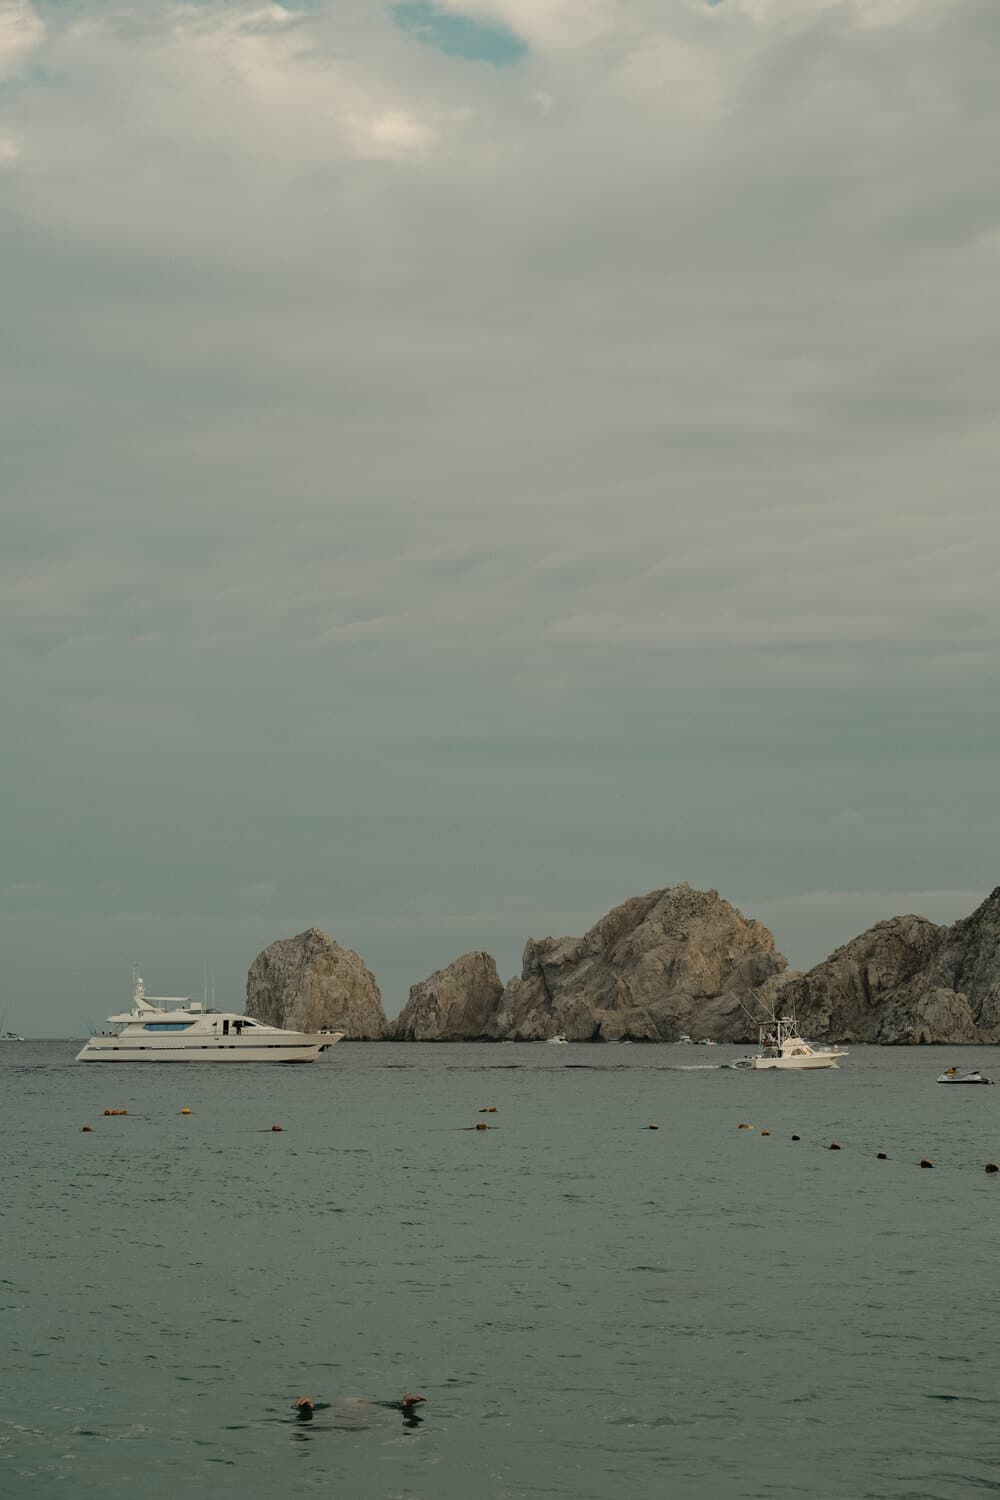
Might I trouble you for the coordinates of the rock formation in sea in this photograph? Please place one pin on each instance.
(674, 961)
(456, 1004)
(849, 995)
(311, 983)
(965, 970)
(904, 980)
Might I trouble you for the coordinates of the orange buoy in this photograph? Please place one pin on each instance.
(84, 1129)
(925, 1161)
(481, 1125)
(652, 1127)
(834, 1145)
(741, 1126)
(185, 1111)
(765, 1132)
(277, 1127)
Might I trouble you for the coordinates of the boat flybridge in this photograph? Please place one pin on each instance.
(781, 1047)
(162, 1028)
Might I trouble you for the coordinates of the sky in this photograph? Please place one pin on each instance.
(467, 462)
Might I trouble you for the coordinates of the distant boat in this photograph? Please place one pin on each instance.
(161, 1029)
(684, 1039)
(781, 1048)
(956, 1075)
(706, 1041)
(5, 1035)
(557, 1041)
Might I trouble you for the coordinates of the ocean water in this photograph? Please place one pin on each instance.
(592, 1308)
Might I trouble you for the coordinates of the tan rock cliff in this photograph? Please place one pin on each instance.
(455, 1004)
(905, 980)
(311, 983)
(676, 960)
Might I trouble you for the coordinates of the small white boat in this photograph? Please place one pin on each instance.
(171, 1029)
(5, 1035)
(956, 1075)
(557, 1041)
(684, 1040)
(706, 1041)
(783, 1049)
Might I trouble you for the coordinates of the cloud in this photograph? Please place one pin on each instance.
(528, 484)
(22, 31)
(543, 24)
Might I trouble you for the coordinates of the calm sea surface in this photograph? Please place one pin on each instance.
(592, 1309)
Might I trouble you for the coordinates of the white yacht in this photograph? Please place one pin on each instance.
(781, 1047)
(174, 1029)
(557, 1041)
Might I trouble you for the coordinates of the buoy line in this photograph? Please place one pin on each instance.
(926, 1162)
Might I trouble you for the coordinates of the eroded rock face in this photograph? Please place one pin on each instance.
(677, 960)
(456, 1004)
(850, 995)
(311, 983)
(905, 980)
(966, 967)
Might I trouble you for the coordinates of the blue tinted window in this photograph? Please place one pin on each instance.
(166, 1025)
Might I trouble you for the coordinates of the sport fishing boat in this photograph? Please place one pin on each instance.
(162, 1028)
(781, 1047)
(956, 1075)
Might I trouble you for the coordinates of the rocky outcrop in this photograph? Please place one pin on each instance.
(311, 983)
(674, 961)
(849, 996)
(965, 970)
(456, 1004)
(905, 980)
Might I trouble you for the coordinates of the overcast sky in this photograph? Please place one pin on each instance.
(465, 464)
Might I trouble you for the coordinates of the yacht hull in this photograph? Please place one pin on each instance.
(287, 1050)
